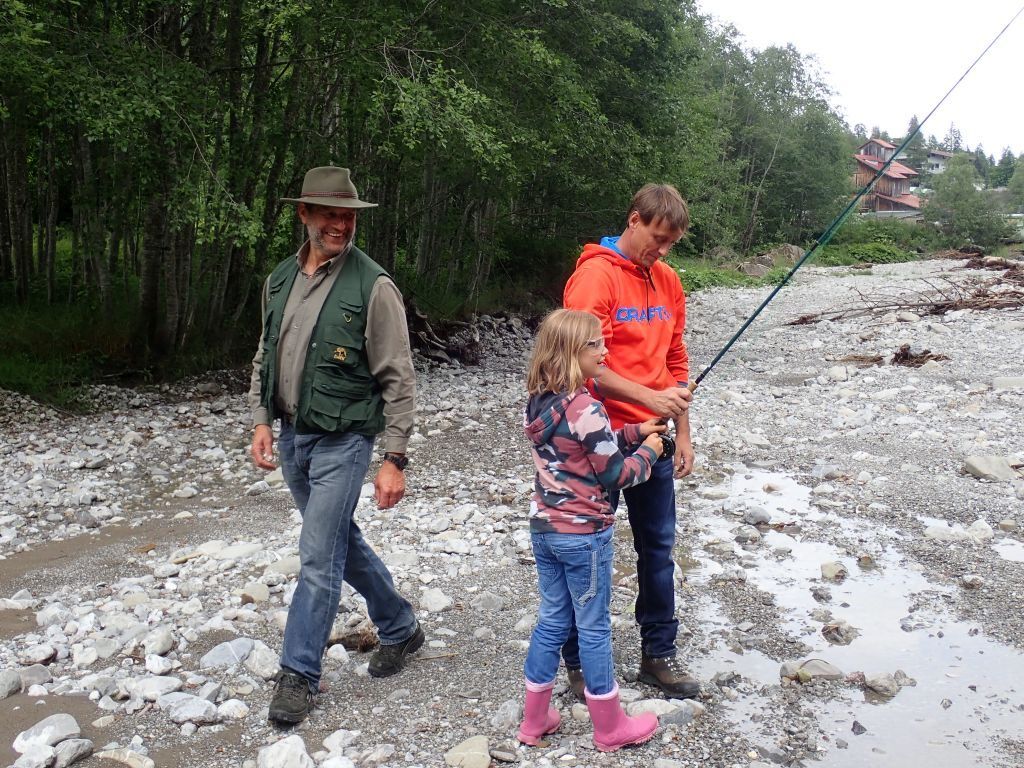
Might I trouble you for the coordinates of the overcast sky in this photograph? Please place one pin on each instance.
(888, 61)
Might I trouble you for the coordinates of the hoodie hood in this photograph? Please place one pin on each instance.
(544, 412)
(606, 252)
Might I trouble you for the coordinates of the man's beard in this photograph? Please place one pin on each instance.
(330, 249)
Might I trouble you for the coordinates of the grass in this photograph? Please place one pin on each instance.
(49, 352)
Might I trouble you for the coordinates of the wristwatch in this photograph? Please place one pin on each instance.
(400, 460)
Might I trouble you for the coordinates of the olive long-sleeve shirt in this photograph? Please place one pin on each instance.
(387, 349)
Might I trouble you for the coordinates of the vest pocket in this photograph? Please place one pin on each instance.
(335, 405)
(340, 349)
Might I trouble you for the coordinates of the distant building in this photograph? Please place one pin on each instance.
(891, 194)
(938, 160)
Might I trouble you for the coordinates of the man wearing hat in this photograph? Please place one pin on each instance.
(334, 365)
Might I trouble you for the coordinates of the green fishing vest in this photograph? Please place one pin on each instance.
(338, 394)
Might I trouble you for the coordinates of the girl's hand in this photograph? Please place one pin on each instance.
(652, 427)
(653, 442)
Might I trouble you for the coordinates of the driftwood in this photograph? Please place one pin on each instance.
(943, 295)
(430, 343)
(905, 356)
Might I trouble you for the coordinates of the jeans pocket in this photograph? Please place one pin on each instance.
(580, 557)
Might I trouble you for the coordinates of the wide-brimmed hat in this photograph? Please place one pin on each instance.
(331, 186)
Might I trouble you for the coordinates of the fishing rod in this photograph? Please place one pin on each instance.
(838, 220)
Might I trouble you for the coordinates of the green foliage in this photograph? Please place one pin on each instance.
(1016, 187)
(962, 212)
(699, 274)
(497, 136)
(908, 236)
(862, 253)
(1002, 173)
(49, 353)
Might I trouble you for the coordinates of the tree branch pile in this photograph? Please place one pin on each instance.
(942, 295)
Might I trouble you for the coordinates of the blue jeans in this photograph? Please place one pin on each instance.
(574, 576)
(652, 516)
(325, 473)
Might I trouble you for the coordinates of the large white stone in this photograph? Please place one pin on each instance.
(152, 688)
(233, 709)
(36, 756)
(10, 683)
(340, 739)
(289, 752)
(159, 641)
(262, 661)
(289, 566)
(128, 757)
(474, 752)
(71, 751)
(48, 731)
(193, 709)
(435, 601)
(991, 468)
(238, 551)
(227, 654)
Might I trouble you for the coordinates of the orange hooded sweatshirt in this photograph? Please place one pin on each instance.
(642, 314)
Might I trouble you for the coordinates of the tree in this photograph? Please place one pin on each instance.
(981, 164)
(953, 142)
(961, 210)
(917, 150)
(1016, 187)
(1004, 171)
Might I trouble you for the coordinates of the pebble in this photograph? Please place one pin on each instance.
(462, 524)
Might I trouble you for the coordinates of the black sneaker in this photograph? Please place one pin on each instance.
(293, 699)
(391, 659)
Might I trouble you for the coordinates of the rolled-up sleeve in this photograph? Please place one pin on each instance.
(390, 359)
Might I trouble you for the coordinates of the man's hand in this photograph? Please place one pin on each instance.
(669, 402)
(262, 449)
(683, 462)
(388, 485)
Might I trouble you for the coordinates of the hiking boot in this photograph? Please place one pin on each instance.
(664, 674)
(576, 682)
(391, 659)
(293, 699)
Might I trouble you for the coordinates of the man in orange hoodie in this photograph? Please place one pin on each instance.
(640, 303)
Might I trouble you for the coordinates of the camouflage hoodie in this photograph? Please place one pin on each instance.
(578, 458)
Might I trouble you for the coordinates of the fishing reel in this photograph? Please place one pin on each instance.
(668, 446)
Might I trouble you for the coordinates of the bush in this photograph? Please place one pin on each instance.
(905, 234)
(861, 253)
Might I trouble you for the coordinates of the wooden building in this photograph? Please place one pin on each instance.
(892, 192)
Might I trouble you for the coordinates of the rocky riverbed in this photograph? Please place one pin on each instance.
(850, 561)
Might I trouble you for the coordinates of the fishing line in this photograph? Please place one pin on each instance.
(838, 220)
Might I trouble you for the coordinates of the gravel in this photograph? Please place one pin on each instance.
(146, 566)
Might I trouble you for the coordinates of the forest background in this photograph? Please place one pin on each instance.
(146, 146)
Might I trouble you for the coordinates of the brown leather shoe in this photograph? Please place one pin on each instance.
(664, 674)
(576, 682)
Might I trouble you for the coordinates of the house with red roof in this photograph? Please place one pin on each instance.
(891, 194)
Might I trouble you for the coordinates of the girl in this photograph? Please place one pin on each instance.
(578, 458)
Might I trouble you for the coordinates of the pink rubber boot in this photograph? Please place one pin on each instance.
(539, 717)
(613, 728)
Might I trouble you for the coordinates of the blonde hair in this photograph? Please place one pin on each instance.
(554, 364)
(661, 201)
